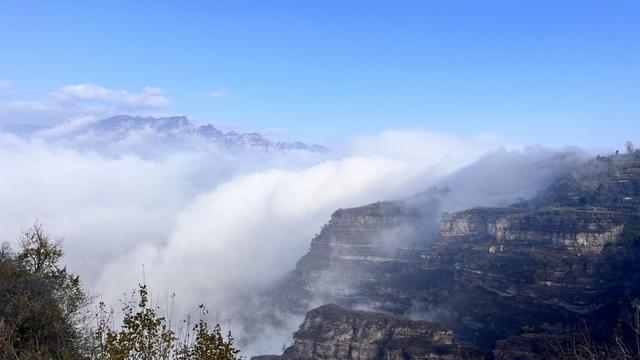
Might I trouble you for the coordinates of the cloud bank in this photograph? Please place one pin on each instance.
(111, 207)
(212, 227)
(76, 101)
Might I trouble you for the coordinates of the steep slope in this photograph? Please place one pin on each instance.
(332, 332)
(560, 259)
(509, 276)
(359, 248)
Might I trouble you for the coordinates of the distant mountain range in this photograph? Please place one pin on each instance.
(174, 128)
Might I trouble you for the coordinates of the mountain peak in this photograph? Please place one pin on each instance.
(181, 129)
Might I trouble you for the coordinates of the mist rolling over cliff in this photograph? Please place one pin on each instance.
(199, 215)
(325, 180)
(264, 234)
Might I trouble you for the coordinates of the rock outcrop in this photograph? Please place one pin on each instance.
(559, 259)
(332, 332)
(503, 279)
(358, 249)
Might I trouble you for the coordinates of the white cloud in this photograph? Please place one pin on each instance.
(48, 112)
(149, 98)
(251, 230)
(80, 101)
(109, 207)
(421, 147)
(213, 229)
(69, 126)
(246, 232)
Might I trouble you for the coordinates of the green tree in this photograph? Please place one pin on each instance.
(43, 312)
(39, 301)
(40, 255)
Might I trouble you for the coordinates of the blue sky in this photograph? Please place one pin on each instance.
(549, 72)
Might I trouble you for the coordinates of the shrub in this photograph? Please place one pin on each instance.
(146, 335)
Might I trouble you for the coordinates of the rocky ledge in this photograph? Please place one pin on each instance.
(359, 248)
(332, 332)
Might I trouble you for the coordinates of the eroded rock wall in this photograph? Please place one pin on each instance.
(332, 332)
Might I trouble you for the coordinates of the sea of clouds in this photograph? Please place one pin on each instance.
(213, 227)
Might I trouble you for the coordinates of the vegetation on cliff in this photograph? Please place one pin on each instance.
(46, 314)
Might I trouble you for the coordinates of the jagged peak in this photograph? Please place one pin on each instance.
(177, 127)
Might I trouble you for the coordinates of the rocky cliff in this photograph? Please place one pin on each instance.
(561, 258)
(360, 248)
(332, 332)
(504, 279)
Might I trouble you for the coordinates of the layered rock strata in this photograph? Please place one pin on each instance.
(332, 332)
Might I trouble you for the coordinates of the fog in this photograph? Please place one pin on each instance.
(213, 227)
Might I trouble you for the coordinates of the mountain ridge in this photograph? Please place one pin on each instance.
(176, 128)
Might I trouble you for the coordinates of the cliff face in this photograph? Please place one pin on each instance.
(514, 269)
(331, 332)
(358, 249)
(502, 279)
(558, 251)
(584, 230)
(566, 257)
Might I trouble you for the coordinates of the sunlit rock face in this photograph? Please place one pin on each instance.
(332, 332)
